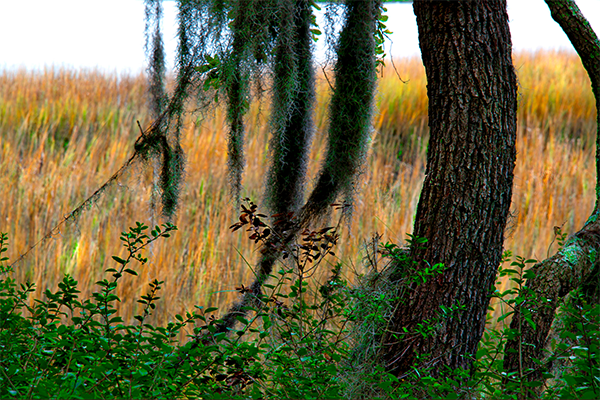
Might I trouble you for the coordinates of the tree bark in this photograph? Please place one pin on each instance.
(577, 264)
(464, 204)
(552, 280)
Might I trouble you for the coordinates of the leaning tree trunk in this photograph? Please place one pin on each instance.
(464, 204)
(577, 264)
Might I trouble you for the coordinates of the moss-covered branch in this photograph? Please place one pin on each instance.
(350, 126)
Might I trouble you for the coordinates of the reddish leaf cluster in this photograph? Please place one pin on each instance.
(259, 231)
(317, 244)
(243, 289)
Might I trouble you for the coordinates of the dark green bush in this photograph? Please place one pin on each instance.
(302, 339)
(65, 347)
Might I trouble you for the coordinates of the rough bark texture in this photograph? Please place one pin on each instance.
(553, 279)
(464, 204)
(577, 264)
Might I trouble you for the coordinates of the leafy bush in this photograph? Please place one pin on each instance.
(570, 366)
(302, 339)
(65, 347)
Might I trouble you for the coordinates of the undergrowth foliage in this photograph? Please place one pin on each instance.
(66, 347)
(299, 338)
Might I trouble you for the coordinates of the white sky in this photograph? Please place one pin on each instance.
(109, 34)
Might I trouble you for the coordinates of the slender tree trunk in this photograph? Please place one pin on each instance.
(464, 204)
(577, 264)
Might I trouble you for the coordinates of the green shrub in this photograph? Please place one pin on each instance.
(301, 339)
(65, 347)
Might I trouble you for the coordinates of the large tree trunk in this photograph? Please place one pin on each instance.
(577, 264)
(464, 204)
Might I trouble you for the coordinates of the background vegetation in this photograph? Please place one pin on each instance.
(64, 133)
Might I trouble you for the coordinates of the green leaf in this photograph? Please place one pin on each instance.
(119, 260)
(503, 317)
(530, 322)
(302, 352)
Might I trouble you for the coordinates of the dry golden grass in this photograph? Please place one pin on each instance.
(65, 133)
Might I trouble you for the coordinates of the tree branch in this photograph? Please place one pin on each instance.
(577, 264)
(552, 280)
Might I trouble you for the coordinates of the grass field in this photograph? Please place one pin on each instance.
(64, 133)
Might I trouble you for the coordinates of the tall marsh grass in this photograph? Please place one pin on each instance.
(64, 133)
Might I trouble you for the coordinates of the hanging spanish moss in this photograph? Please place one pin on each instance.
(224, 45)
(237, 99)
(293, 99)
(333, 20)
(351, 107)
(162, 141)
(189, 47)
(156, 57)
(165, 136)
(252, 36)
(349, 132)
(236, 85)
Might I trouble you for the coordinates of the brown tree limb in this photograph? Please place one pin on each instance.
(465, 200)
(552, 280)
(577, 264)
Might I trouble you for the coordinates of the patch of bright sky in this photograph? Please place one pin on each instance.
(109, 34)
